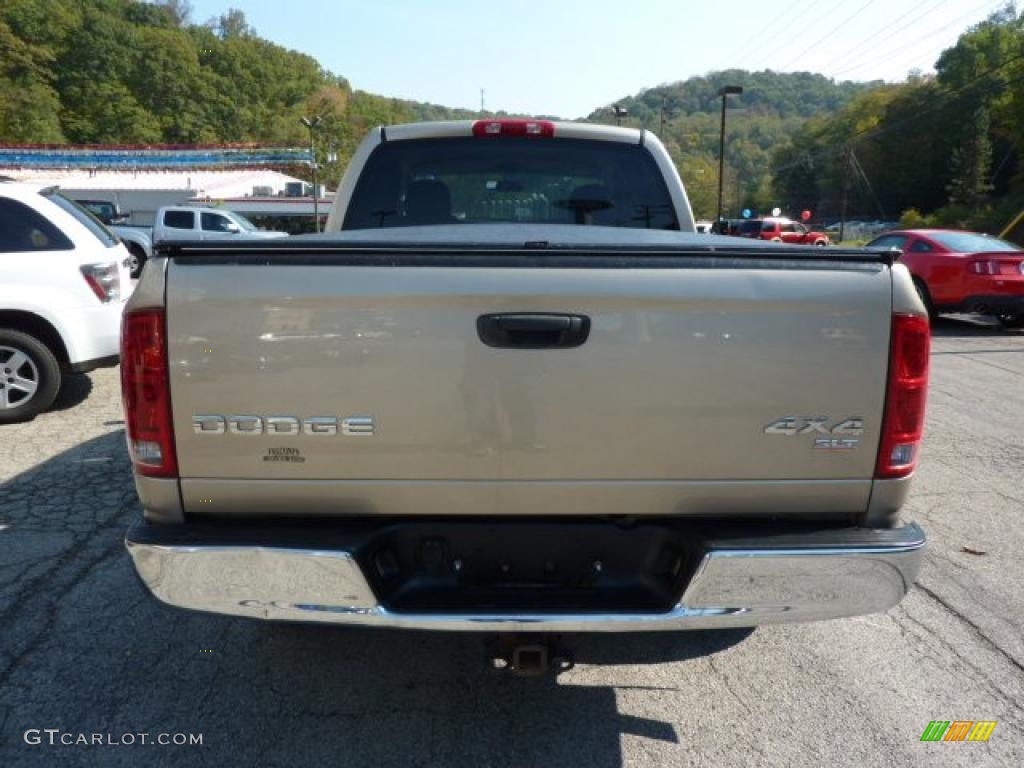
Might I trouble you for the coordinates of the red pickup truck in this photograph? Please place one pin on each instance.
(781, 230)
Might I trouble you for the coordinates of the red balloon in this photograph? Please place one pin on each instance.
(805, 215)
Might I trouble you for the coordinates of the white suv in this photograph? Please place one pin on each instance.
(64, 279)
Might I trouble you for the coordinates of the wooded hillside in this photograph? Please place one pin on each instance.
(945, 147)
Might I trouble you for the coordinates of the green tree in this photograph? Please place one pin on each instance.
(29, 104)
(234, 24)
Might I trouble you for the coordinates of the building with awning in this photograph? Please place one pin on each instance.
(139, 180)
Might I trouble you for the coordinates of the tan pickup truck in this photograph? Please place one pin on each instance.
(510, 389)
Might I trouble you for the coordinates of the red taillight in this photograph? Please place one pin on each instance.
(903, 423)
(147, 394)
(493, 128)
(103, 279)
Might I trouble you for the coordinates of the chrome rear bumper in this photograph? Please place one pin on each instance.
(737, 583)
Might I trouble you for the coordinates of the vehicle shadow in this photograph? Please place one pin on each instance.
(85, 648)
(74, 390)
(970, 326)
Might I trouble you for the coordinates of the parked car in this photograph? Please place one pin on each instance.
(956, 271)
(64, 279)
(136, 240)
(187, 222)
(104, 210)
(781, 230)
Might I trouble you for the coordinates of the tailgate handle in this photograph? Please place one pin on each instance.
(533, 330)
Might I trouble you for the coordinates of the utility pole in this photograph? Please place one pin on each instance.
(723, 92)
(846, 193)
(661, 131)
(313, 123)
(482, 110)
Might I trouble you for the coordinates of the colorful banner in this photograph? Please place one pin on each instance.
(149, 158)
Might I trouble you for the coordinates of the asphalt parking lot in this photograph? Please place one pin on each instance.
(84, 649)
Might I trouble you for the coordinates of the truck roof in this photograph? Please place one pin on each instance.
(551, 128)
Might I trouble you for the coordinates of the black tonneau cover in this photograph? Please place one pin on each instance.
(551, 245)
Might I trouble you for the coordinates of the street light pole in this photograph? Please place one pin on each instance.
(723, 92)
(312, 123)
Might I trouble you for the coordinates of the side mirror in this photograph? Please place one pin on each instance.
(233, 228)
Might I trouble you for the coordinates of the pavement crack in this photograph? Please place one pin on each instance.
(728, 685)
(977, 629)
(990, 364)
(40, 591)
(212, 687)
(951, 648)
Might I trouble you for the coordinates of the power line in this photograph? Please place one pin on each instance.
(787, 34)
(827, 35)
(903, 50)
(860, 49)
(860, 171)
(878, 130)
(760, 36)
(999, 169)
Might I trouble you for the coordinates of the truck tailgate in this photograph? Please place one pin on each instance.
(706, 385)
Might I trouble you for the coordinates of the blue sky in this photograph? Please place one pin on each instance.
(565, 58)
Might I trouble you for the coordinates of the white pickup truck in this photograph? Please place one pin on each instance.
(512, 390)
(176, 223)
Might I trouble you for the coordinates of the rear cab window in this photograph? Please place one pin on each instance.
(179, 219)
(84, 217)
(475, 180)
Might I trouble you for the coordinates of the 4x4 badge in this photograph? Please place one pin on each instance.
(789, 426)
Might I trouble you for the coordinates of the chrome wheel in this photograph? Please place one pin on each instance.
(19, 378)
(1011, 321)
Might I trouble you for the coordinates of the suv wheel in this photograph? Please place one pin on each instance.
(136, 259)
(926, 298)
(29, 376)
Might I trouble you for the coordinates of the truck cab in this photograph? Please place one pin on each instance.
(510, 172)
(180, 223)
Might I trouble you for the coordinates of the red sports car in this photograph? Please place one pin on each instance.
(958, 271)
